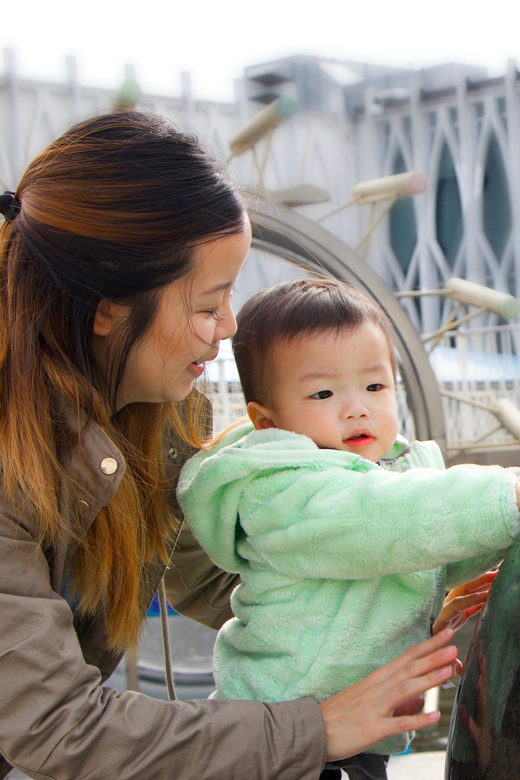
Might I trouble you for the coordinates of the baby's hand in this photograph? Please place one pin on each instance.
(463, 602)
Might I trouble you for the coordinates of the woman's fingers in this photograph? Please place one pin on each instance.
(414, 722)
(410, 707)
(458, 667)
(420, 659)
(385, 703)
(406, 688)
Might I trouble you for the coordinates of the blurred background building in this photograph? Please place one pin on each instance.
(355, 121)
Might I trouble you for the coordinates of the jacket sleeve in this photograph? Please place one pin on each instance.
(462, 571)
(195, 587)
(59, 722)
(354, 525)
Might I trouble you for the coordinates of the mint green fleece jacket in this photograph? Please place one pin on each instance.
(344, 563)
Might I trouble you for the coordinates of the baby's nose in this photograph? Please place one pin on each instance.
(356, 411)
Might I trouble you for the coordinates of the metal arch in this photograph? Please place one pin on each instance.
(279, 229)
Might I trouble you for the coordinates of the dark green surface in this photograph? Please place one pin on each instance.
(484, 741)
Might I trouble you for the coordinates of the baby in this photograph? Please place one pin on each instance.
(345, 536)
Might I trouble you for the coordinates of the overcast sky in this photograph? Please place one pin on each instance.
(215, 39)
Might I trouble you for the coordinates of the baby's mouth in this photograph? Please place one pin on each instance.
(359, 440)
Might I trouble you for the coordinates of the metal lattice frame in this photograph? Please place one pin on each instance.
(464, 120)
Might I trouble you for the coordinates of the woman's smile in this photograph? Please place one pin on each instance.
(193, 315)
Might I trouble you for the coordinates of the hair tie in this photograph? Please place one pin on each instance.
(9, 206)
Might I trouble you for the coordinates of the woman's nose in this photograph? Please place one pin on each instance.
(226, 327)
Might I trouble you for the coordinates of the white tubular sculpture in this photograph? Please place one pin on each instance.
(508, 415)
(401, 185)
(469, 293)
(261, 124)
(127, 96)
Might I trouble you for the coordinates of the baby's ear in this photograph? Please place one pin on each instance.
(259, 415)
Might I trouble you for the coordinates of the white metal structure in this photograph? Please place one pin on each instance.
(467, 140)
(465, 136)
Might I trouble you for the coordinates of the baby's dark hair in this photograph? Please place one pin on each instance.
(292, 310)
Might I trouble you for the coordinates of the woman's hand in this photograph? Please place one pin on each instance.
(463, 602)
(388, 701)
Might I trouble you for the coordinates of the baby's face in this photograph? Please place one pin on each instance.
(338, 389)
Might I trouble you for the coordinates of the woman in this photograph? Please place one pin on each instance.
(118, 254)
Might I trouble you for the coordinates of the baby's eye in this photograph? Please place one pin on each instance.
(321, 394)
(375, 387)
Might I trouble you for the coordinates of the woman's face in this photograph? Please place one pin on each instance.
(192, 317)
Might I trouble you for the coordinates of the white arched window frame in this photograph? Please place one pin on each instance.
(444, 135)
(399, 143)
(497, 268)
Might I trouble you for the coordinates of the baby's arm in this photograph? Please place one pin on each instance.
(345, 525)
(309, 513)
(468, 568)
(467, 599)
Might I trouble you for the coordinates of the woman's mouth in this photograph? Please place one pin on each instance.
(196, 368)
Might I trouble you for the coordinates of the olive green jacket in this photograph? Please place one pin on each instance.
(58, 721)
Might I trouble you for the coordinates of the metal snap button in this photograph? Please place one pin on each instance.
(108, 465)
(172, 453)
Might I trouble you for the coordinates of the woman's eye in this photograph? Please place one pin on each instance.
(322, 394)
(215, 313)
(375, 387)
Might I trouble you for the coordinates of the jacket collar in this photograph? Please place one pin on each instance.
(94, 465)
(400, 448)
(92, 462)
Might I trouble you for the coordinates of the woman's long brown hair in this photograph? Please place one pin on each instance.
(112, 209)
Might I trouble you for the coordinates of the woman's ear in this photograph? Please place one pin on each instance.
(108, 316)
(260, 416)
